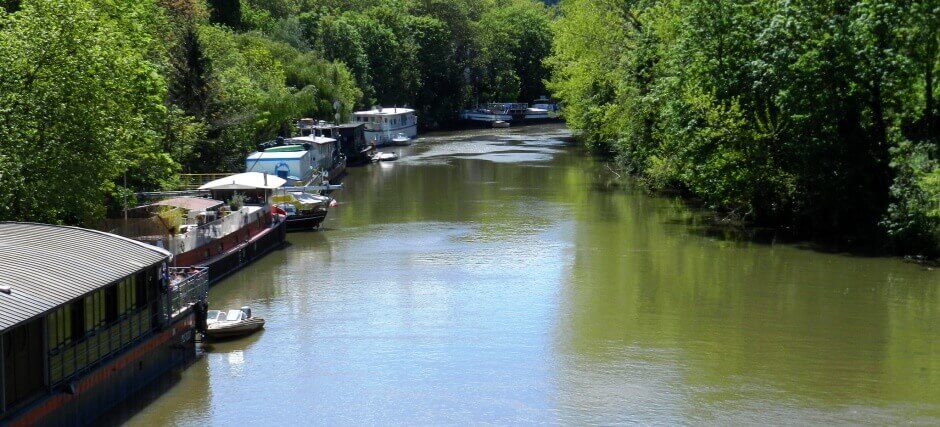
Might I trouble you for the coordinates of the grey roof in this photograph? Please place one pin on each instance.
(49, 265)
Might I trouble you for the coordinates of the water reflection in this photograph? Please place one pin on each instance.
(746, 331)
(504, 277)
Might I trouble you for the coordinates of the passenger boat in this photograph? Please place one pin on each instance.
(222, 233)
(232, 324)
(383, 124)
(515, 112)
(401, 139)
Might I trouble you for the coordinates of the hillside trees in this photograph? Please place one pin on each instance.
(435, 56)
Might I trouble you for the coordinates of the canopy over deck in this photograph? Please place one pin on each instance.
(245, 181)
(190, 203)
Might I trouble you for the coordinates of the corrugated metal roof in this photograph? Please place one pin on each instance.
(48, 265)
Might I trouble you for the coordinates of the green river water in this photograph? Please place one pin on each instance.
(505, 277)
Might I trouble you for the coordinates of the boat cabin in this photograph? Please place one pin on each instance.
(292, 162)
(383, 124)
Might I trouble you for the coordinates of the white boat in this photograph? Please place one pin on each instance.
(500, 124)
(382, 124)
(535, 114)
(401, 139)
(544, 103)
(233, 323)
(508, 112)
(385, 157)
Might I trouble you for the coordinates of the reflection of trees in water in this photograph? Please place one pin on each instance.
(731, 314)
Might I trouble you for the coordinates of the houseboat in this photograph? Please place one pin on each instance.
(91, 326)
(384, 124)
(351, 137)
(325, 154)
(299, 198)
(222, 233)
(509, 112)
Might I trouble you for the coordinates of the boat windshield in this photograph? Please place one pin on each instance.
(234, 315)
(213, 316)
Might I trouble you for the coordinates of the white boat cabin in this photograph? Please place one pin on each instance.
(384, 124)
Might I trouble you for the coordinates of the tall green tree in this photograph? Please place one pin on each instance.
(79, 99)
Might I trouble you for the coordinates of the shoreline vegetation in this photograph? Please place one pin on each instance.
(815, 117)
(101, 99)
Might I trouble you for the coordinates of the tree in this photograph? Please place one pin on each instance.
(78, 97)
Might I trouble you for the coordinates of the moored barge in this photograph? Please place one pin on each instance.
(90, 324)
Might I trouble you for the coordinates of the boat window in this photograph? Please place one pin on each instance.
(212, 314)
(234, 315)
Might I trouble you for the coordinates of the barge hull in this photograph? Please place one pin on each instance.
(106, 394)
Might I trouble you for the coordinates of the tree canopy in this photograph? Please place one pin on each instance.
(817, 115)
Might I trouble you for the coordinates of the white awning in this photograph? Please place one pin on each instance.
(245, 181)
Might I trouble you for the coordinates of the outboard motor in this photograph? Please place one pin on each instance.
(202, 310)
(247, 310)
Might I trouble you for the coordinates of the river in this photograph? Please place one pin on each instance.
(506, 277)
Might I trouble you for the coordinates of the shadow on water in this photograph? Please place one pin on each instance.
(702, 221)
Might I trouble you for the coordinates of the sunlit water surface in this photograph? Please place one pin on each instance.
(505, 277)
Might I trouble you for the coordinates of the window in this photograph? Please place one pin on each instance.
(59, 327)
(94, 311)
(78, 320)
(127, 295)
(111, 303)
(141, 287)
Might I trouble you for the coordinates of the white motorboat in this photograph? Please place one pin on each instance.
(385, 157)
(401, 139)
(500, 124)
(231, 324)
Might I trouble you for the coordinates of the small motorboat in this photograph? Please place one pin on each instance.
(385, 157)
(231, 324)
(401, 139)
(500, 124)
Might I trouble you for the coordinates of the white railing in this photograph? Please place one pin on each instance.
(209, 232)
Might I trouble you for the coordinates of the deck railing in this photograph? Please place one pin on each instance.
(189, 289)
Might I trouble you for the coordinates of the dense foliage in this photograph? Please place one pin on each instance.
(99, 99)
(817, 114)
